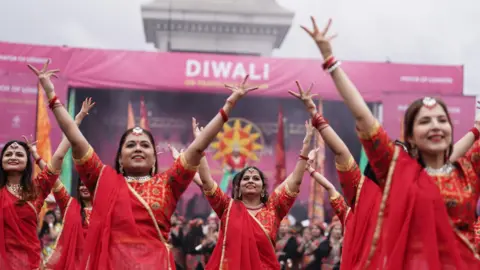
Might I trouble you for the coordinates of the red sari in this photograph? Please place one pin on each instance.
(19, 244)
(247, 242)
(130, 222)
(360, 220)
(70, 241)
(424, 222)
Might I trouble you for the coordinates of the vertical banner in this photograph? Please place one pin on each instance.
(316, 199)
(67, 164)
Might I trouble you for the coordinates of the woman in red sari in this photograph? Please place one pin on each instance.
(21, 199)
(250, 219)
(133, 202)
(76, 212)
(427, 211)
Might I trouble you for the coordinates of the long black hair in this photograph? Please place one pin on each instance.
(122, 141)
(238, 177)
(80, 201)
(28, 192)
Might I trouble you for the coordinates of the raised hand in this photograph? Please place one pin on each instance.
(311, 156)
(308, 132)
(32, 145)
(175, 153)
(238, 91)
(321, 38)
(195, 128)
(306, 97)
(44, 76)
(87, 105)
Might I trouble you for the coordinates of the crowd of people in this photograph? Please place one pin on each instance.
(412, 208)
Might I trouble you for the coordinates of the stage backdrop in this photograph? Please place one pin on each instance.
(170, 122)
(158, 76)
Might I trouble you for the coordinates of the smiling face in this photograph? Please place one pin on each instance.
(83, 192)
(336, 231)
(251, 183)
(137, 156)
(14, 159)
(431, 130)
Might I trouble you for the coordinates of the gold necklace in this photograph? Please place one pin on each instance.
(14, 188)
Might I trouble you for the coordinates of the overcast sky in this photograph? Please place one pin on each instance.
(408, 31)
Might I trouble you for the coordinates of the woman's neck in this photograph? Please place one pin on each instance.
(251, 201)
(87, 203)
(433, 161)
(14, 178)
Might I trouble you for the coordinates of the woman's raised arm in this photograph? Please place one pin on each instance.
(80, 145)
(194, 153)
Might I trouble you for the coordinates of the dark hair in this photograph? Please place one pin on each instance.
(122, 141)
(409, 120)
(80, 201)
(238, 177)
(45, 229)
(28, 192)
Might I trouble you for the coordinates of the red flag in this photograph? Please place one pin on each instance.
(281, 163)
(143, 115)
(130, 117)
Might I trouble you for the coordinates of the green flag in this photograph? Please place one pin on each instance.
(67, 165)
(363, 160)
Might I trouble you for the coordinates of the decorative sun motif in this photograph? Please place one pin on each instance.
(241, 135)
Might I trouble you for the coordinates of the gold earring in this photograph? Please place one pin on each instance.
(153, 169)
(121, 169)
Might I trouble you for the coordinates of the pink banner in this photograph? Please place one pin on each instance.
(207, 73)
(461, 109)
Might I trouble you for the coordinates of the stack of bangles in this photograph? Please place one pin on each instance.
(330, 64)
(475, 132)
(319, 122)
(52, 104)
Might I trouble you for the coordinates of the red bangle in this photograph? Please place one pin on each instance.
(319, 122)
(303, 157)
(224, 115)
(37, 161)
(52, 102)
(475, 132)
(329, 62)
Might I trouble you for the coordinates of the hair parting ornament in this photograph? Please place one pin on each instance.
(137, 131)
(251, 170)
(429, 102)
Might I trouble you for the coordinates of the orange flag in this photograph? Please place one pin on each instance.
(130, 117)
(315, 200)
(44, 146)
(280, 159)
(143, 115)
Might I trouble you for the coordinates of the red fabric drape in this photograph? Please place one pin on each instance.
(69, 247)
(415, 226)
(122, 234)
(360, 225)
(244, 245)
(19, 244)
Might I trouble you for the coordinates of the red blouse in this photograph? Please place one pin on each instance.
(459, 188)
(270, 216)
(161, 192)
